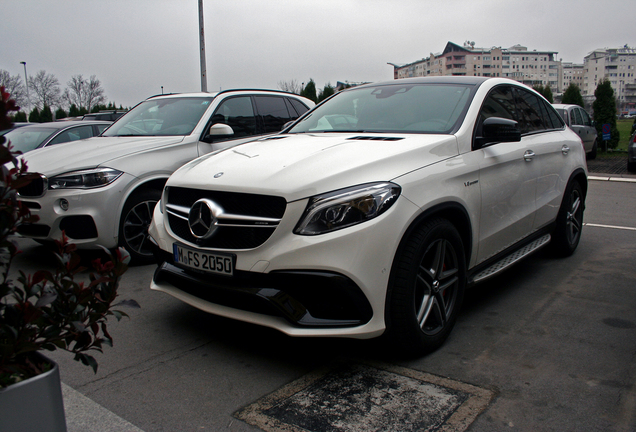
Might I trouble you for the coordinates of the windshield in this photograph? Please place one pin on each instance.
(160, 117)
(25, 139)
(403, 108)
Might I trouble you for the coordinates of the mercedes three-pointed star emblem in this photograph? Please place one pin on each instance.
(203, 219)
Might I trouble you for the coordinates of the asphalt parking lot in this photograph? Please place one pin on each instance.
(548, 346)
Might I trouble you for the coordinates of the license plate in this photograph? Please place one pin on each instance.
(204, 261)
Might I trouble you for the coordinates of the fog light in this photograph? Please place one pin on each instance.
(64, 204)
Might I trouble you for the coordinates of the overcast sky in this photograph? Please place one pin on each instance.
(136, 46)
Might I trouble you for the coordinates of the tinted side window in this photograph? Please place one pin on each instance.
(499, 103)
(273, 111)
(299, 106)
(586, 118)
(557, 120)
(74, 134)
(577, 119)
(237, 113)
(530, 118)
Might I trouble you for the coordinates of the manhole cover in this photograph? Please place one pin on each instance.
(368, 398)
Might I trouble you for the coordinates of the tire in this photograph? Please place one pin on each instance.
(134, 223)
(592, 154)
(569, 223)
(426, 288)
(631, 166)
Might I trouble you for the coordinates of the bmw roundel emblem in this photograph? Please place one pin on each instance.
(202, 218)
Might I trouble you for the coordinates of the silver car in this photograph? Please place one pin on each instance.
(580, 122)
(37, 135)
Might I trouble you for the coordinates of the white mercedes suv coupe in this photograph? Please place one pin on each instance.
(371, 213)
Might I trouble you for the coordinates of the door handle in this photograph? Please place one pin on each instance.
(528, 155)
(565, 149)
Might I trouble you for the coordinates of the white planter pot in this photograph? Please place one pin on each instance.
(34, 404)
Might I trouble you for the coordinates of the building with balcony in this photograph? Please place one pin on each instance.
(529, 67)
(618, 65)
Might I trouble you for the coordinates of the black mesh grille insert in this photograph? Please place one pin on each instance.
(232, 203)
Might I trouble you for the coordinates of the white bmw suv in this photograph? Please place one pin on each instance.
(102, 191)
(372, 212)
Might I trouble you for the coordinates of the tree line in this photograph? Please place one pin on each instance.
(309, 91)
(42, 94)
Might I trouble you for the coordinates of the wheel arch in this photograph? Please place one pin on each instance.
(580, 176)
(452, 211)
(151, 184)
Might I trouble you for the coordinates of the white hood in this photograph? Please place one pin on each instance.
(298, 166)
(92, 152)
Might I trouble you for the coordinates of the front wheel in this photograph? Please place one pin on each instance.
(427, 288)
(133, 227)
(569, 223)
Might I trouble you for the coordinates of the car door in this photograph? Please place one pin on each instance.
(543, 132)
(507, 180)
(581, 124)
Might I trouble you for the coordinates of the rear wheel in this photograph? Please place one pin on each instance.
(427, 288)
(133, 227)
(567, 233)
(631, 166)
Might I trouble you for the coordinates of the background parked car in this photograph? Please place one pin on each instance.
(580, 122)
(102, 191)
(108, 116)
(631, 153)
(15, 126)
(37, 135)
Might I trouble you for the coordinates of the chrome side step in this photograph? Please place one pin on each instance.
(509, 260)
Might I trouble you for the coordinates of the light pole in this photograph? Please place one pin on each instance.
(204, 81)
(26, 84)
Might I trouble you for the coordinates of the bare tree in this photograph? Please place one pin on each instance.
(291, 86)
(84, 93)
(13, 85)
(46, 89)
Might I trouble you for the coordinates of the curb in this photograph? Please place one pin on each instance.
(608, 177)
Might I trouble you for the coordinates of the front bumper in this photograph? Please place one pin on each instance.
(333, 284)
(92, 217)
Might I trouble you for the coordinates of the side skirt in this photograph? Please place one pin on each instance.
(507, 259)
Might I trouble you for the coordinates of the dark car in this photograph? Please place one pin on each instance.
(631, 152)
(36, 135)
(107, 116)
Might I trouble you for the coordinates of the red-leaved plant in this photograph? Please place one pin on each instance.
(47, 310)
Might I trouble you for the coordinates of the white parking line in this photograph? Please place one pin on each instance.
(609, 226)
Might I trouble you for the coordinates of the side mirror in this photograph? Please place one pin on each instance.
(218, 130)
(496, 130)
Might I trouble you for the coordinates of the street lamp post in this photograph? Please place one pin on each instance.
(204, 81)
(26, 84)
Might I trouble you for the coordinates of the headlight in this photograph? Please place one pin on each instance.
(346, 207)
(84, 179)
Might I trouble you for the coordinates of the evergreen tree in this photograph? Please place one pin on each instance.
(73, 111)
(34, 117)
(605, 112)
(60, 114)
(46, 115)
(547, 93)
(20, 117)
(310, 91)
(572, 95)
(326, 92)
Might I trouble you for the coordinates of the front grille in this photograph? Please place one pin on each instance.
(232, 234)
(35, 188)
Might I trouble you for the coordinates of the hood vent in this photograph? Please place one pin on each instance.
(372, 138)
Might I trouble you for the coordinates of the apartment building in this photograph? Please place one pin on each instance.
(517, 62)
(618, 65)
(571, 73)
